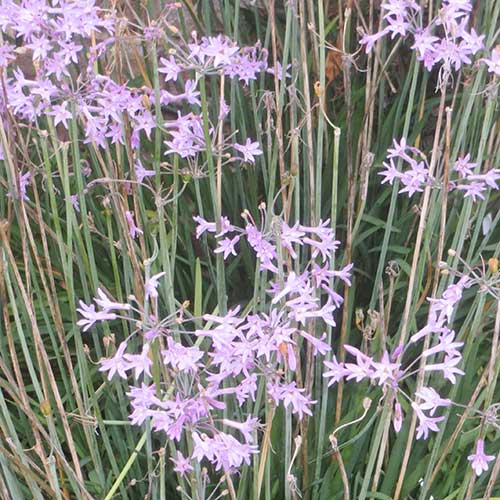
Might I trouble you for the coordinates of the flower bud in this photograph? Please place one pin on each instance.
(493, 265)
(45, 408)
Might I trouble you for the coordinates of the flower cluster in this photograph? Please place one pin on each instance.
(222, 364)
(390, 371)
(416, 176)
(319, 239)
(59, 41)
(445, 40)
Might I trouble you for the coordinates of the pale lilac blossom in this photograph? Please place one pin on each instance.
(445, 38)
(431, 400)
(151, 285)
(140, 363)
(397, 419)
(108, 305)
(448, 367)
(24, 180)
(479, 460)
(425, 423)
(141, 173)
(464, 166)
(134, 231)
(116, 364)
(91, 316)
(494, 62)
(249, 150)
(169, 68)
(203, 226)
(227, 246)
(181, 464)
(336, 371)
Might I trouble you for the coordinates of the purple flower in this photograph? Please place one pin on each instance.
(246, 67)
(416, 178)
(108, 305)
(247, 389)
(290, 236)
(370, 40)
(494, 62)
(142, 396)
(24, 180)
(464, 166)
(203, 225)
(318, 344)
(442, 309)
(336, 371)
(40, 46)
(281, 73)
(445, 344)
(363, 368)
(424, 43)
(472, 39)
(181, 464)
(246, 428)
(473, 190)
(425, 423)
(116, 364)
(431, 400)
(327, 244)
(224, 110)
(91, 316)
(490, 178)
(6, 54)
(69, 50)
(294, 284)
(220, 48)
(390, 173)
(141, 363)
(384, 370)
(264, 250)
(151, 285)
(344, 274)
(144, 121)
(227, 245)
(452, 54)
(190, 93)
(187, 136)
(249, 149)
(182, 358)
(321, 277)
(74, 201)
(56, 65)
(455, 43)
(225, 226)
(134, 231)
(397, 420)
(479, 461)
(290, 394)
(448, 367)
(140, 172)
(223, 450)
(169, 68)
